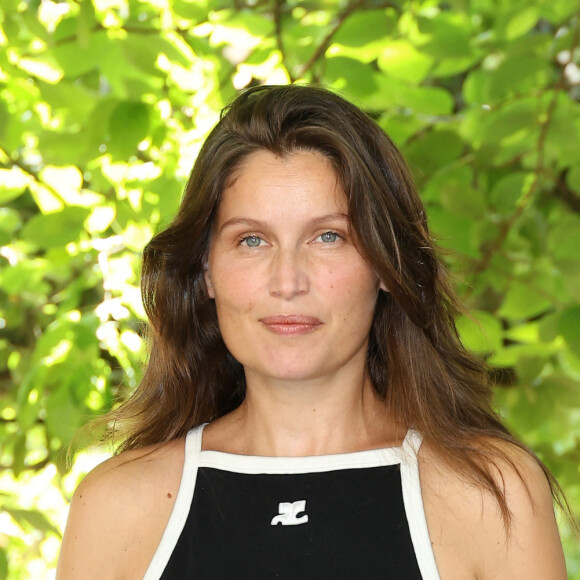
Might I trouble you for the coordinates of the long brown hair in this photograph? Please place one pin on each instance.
(415, 360)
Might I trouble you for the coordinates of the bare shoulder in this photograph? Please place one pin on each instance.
(119, 512)
(468, 532)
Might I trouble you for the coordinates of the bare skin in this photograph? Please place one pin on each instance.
(295, 301)
(119, 512)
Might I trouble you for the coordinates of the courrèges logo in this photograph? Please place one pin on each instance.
(288, 513)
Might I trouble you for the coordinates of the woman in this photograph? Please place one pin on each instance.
(299, 308)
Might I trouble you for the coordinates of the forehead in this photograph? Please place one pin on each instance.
(299, 183)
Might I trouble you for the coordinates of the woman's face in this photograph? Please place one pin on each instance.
(294, 298)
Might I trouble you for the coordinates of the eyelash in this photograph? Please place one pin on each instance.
(245, 238)
(332, 232)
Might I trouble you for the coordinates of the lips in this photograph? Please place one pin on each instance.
(291, 324)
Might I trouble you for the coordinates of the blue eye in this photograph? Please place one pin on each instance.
(329, 237)
(251, 241)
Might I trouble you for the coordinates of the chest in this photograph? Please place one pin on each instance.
(339, 524)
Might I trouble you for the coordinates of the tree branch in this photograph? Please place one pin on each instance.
(567, 195)
(278, 4)
(319, 52)
(507, 225)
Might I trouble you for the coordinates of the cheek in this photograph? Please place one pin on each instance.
(351, 294)
(234, 290)
(358, 284)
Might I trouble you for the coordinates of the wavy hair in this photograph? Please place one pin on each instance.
(416, 361)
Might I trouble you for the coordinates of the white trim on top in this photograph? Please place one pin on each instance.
(181, 506)
(414, 508)
(253, 464)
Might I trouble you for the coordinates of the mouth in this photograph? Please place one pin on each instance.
(291, 324)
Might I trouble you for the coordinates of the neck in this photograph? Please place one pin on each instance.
(301, 419)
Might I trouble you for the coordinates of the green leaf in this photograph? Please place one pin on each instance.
(244, 29)
(509, 356)
(569, 327)
(19, 446)
(451, 67)
(76, 60)
(128, 126)
(365, 27)
(400, 125)
(55, 229)
(557, 11)
(460, 197)
(3, 564)
(548, 328)
(564, 237)
(447, 35)
(434, 150)
(4, 117)
(25, 276)
(501, 135)
(59, 148)
(401, 60)
(529, 369)
(85, 23)
(350, 77)
(523, 301)
(35, 519)
(69, 99)
(476, 87)
(523, 21)
(453, 232)
(517, 75)
(63, 418)
(192, 11)
(426, 100)
(507, 192)
(528, 332)
(142, 52)
(65, 333)
(9, 222)
(453, 188)
(562, 141)
(480, 334)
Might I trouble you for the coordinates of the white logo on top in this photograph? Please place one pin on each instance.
(288, 515)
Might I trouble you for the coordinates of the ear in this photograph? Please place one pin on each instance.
(208, 282)
(383, 287)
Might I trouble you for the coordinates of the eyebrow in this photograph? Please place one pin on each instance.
(260, 224)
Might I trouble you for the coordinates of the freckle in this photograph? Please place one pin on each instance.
(169, 495)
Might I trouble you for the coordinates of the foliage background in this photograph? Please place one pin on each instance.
(103, 106)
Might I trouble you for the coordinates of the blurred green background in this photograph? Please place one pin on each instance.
(103, 107)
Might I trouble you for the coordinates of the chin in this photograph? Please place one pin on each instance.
(290, 371)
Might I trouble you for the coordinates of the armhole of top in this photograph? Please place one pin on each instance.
(414, 508)
(181, 506)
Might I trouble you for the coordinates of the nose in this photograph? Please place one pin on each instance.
(288, 276)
